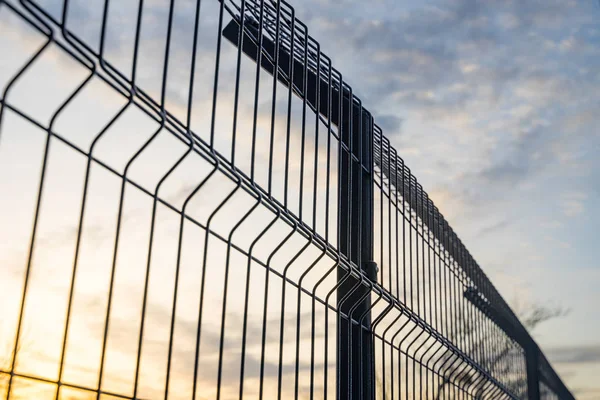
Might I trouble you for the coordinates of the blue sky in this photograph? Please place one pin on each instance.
(495, 107)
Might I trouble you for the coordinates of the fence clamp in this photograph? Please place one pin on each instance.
(371, 269)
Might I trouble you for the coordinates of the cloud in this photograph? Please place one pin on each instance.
(587, 393)
(496, 226)
(487, 96)
(391, 124)
(575, 354)
(433, 64)
(573, 203)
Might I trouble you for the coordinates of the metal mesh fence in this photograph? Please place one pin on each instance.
(196, 205)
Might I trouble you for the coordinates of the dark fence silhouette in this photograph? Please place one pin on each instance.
(196, 205)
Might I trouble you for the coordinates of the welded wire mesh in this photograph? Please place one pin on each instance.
(191, 195)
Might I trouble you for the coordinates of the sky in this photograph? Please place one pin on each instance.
(493, 106)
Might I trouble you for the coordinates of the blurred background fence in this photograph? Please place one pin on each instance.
(195, 204)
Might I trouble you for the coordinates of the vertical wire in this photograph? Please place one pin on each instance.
(177, 270)
(410, 242)
(329, 134)
(393, 155)
(351, 319)
(391, 345)
(186, 202)
(360, 232)
(417, 264)
(434, 373)
(342, 240)
(427, 260)
(3, 104)
(404, 201)
(454, 314)
(216, 80)
(396, 211)
(352, 232)
(430, 248)
(237, 79)
(225, 288)
(282, 317)
(83, 208)
(313, 322)
(265, 309)
(154, 202)
(381, 221)
(389, 258)
(246, 301)
(315, 194)
(435, 250)
(413, 357)
(400, 353)
(333, 290)
(318, 109)
(289, 112)
(120, 211)
(338, 227)
(438, 306)
(351, 189)
(71, 97)
(217, 209)
(460, 304)
(348, 317)
(274, 100)
(303, 129)
(256, 91)
(446, 294)
(298, 313)
(334, 267)
(340, 164)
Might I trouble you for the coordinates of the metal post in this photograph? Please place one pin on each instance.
(355, 351)
(533, 374)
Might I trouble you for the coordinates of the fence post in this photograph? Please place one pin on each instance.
(355, 357)
(533, 375)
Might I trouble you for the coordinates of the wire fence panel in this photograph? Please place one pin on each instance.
(197, 206)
